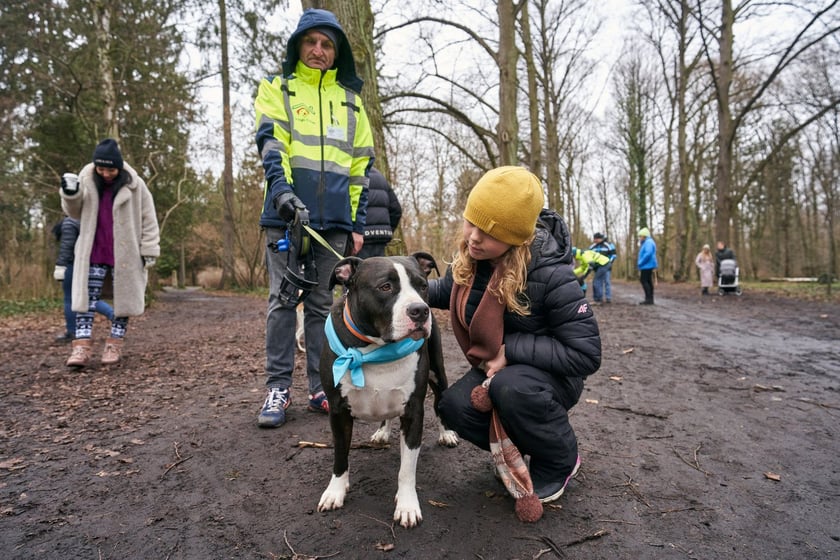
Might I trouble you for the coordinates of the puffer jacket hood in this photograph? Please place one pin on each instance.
(552, 240)
(345, 64)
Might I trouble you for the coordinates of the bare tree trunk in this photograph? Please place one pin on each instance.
(106, 71)
(228, 228)
(726, 132)
(357, 20)
(536, 153)
(508, 127)
(684, 231)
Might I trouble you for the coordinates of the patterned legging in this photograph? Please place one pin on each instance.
(84, 321)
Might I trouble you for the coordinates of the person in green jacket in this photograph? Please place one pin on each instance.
(586, 261)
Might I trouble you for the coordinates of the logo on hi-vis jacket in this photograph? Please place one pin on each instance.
(304, 113)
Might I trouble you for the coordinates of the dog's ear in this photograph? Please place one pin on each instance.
(344, 270)
(427, 263)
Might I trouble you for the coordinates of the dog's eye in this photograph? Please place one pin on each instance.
(385, 287)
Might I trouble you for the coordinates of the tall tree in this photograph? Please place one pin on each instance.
(228, 228)
(634, 93)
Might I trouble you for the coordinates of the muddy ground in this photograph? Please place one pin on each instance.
(711, 431)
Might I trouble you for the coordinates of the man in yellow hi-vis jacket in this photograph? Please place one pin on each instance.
(587, 260)
(316, 146)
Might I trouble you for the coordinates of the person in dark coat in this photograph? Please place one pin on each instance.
(66, 232)
(521, 319)
(383, 216)
(721, 254)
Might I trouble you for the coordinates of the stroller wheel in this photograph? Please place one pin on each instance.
(721, 292)
(738, 291)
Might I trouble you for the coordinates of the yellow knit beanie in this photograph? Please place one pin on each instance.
(644, 232)
(505, 204)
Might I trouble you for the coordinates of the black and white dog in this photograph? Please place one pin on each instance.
(376, 364)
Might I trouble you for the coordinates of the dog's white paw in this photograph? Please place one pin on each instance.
(447, 438)
(333, 496)
(383, 434)
(407, 512)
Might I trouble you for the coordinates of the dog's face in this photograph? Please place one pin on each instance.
(387, 295)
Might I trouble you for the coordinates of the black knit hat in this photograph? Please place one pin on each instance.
(107, 154)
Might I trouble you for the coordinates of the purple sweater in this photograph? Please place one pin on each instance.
(103, 243)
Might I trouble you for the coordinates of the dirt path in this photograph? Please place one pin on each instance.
(701, 403)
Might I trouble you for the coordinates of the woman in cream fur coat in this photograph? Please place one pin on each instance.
(118, 233)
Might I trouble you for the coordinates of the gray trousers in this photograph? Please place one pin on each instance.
(280, 324)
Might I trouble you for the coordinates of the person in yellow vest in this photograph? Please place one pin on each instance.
(316, 145)
(586, 261)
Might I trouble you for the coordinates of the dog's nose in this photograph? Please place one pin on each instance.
(418, 312)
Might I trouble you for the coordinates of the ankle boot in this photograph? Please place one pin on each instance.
(112, 352)
(80, 356)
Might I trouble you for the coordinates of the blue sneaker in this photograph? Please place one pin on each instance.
(553, 490)
(273, 413)
(319, 403)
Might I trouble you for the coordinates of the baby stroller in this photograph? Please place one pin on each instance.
(728, 278)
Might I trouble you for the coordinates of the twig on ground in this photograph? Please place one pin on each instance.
(631, 411)
(596, 535)
(320, 445)
(389, 525)
(545, 540)
(632, 486)
(558, 550)
(817, 403)
(178, 461)
(691, 508)
(696, 464)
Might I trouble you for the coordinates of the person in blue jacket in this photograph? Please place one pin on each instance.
(646, 263)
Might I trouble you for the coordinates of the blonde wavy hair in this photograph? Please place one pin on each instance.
(510, 289)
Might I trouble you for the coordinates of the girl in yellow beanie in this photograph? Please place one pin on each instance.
(520, 318)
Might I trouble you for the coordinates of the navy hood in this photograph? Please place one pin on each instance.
(344, 62)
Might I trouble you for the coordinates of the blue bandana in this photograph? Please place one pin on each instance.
(353, 358)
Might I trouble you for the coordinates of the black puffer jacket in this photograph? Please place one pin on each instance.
(383, 209)
(561, 334)
(67, 241)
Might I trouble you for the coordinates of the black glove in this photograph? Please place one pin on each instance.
(287, 206)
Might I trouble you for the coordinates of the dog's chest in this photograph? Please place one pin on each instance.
(387, 389)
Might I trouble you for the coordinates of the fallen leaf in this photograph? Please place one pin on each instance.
(385, 547)
(773, 476)
(627, 351)
(591, 401)
(615, 378)
(438, 504)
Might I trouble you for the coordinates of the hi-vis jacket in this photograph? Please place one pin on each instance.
(314, 136)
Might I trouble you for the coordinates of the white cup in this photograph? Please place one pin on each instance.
(70, 182)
